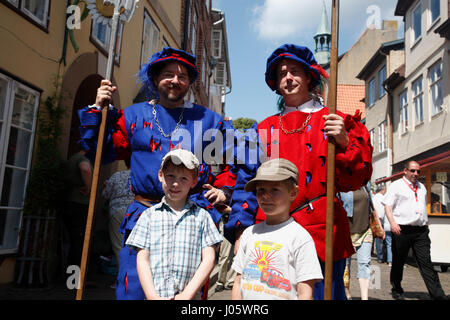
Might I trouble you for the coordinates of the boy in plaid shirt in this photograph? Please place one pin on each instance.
(175, 238)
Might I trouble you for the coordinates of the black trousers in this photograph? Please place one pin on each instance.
(418, 239)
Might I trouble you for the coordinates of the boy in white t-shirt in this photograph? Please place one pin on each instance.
(277, 258)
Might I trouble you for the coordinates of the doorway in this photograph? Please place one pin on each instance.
(85, 95)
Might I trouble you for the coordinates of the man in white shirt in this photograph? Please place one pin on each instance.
(405, 208)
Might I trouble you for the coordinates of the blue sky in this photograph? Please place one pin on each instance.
(257, 27)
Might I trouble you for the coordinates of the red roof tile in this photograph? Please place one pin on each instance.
(349, 98)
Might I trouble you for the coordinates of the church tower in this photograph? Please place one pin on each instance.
(323, 39)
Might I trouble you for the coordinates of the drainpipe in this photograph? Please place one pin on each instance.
(66, 31)
(390, 114)
(186, 26)
(219, 21)
(222, 18)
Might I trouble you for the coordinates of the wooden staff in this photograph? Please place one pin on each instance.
(98, 156)
(332, 96)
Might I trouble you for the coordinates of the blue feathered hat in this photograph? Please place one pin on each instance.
(166, 55)
(298, 53)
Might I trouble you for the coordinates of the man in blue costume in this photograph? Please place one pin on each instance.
(147, 131)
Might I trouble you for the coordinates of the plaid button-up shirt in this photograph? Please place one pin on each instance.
(175, 243)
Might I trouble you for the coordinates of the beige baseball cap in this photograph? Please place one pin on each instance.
(273, 170)
(181, 156)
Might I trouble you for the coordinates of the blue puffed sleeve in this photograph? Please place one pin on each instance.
(243, 204)
(90, 120)
(201, 201)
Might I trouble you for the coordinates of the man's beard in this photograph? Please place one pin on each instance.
(169, 96)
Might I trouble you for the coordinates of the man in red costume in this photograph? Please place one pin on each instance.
(300, 134)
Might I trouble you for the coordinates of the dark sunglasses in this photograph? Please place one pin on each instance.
(414, 170)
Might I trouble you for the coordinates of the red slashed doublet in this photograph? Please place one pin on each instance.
(308, 151)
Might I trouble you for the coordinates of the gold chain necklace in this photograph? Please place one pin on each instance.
(157, 122)
(298, 129)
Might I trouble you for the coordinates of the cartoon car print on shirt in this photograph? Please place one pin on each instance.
(275, 279)
(251, 273)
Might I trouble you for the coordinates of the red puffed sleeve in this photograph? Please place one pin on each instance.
(354, 163)
(120, 138)
(225, 178)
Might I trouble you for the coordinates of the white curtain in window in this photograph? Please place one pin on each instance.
(36, 8)
(17, 126)
(436, 87)
(404, 112)
(418, 100)
(150, 39)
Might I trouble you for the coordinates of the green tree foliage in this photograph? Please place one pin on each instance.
(243, 123)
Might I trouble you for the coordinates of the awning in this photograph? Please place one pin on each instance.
(438, 162)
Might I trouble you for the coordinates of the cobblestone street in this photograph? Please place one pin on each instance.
(380, 288)
(98, 286)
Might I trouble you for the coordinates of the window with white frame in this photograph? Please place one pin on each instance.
(14, 2)
(381, 78)
(418, 100)
(18, 112)
(150, 39)
(404, 111)
(435, 77)
(435, 10)
(37, 10)
(382, 136)
(194, 31)
(101, 35)
(372, 137)
(416, 23)
(217, 44)
(371, 92)
(221, 74)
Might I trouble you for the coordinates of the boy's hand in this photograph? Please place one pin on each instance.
(214, 195)
(104, 92)
(156, 297)
(183, 296)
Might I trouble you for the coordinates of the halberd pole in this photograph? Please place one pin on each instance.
(128, 6)
(332, 97)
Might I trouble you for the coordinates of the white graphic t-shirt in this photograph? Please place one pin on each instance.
(272, 259)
